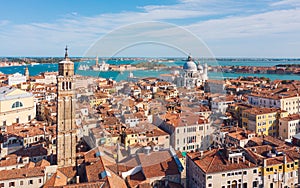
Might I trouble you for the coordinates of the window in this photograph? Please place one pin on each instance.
(245, 172)
(30, 182)
(210, 185)
(254, 184)
(40, 180)
(209, 177)
(29, 117)
(17, 120)
(11, 184)
(21, 182)
(4, 123)
(17, 104)
(1, 184)
(254, 171)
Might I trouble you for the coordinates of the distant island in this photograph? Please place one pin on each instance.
(40, 60)
(149, 65)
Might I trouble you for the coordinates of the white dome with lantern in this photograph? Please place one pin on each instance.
(190, 65)
(192, 75)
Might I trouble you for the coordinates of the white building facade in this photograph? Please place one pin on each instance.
(193, 75)
(16, 78)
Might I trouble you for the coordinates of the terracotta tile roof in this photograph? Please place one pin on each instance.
(259, 111)
(33, 151)
(42, 163)
(69, 172)
(114, 180)
(58, 179)
(148, 129)
(291, 117)
(127, 164)
(136, 179)
(239, 134)
(276, 160)
(23, 130)
(22, 173)
(183, 119)
(87, 185)
(215, 161)
(93, 171)
(158, 164)
(50, 182)
(9, 160)
(276, 94)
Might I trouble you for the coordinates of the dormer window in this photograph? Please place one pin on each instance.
(17, 104)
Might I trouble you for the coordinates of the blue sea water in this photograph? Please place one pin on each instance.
(37, 69)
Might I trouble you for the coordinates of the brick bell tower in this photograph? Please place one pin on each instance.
(66, 126)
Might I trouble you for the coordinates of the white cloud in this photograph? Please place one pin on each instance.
(4, 22)
(286, 2)
(220, 21)
(264, 24)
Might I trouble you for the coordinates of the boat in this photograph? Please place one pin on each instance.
(83, 67)
(34, 63)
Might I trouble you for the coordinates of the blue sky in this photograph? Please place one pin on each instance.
(230, 28)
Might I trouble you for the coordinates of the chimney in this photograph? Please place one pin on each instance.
(77, 179)
(264, 162)
(147, 150)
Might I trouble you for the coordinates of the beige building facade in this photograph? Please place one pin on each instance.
(289, 126)
(16, 106)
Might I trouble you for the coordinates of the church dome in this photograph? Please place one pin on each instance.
(190, 65)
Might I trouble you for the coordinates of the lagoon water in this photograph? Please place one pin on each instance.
(37, 69)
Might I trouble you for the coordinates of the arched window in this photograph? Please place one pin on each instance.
(63, 85)
(70, 85)
(17, 104)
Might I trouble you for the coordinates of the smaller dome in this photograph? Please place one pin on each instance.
(200, 67)
(190, 65)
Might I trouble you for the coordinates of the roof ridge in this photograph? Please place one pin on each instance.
(211, 161)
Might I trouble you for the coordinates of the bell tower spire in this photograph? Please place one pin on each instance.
(66, 52)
